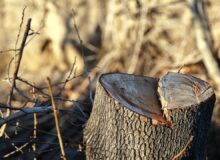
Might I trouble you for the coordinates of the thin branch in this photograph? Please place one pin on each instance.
(17, 150)
(8, 71)
(31, 141)
(181, 67)
(20, 26)
(20, 54)
(43, 132)
(63, 156)
(13, 144)
(72, 71)
(34, 146)
(22, 94)
(176, 157)
(46, 87)
(28, 26)
(31, 85)
(44, 95)
(10, 50)
(83, 55)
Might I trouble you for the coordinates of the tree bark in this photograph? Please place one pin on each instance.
(136, 117)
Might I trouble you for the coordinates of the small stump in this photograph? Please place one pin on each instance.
(137, 117)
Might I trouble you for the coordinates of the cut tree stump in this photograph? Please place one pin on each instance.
(137, 117)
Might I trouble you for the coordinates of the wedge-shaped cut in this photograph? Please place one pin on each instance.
(180, 91)
(137, 93)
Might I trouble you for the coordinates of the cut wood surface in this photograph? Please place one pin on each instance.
(137, 117)
(140, 97)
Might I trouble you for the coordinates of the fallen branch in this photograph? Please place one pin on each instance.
(25, 111)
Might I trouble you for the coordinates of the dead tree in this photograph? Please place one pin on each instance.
(137, 117)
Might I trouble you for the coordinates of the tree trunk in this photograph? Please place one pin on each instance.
(136, 117)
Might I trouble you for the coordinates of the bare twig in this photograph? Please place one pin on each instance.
(20, 26)
(181, 67)
(43, 132)
(34, 146)
(83, 55)
(183, 150)
(44, 95)
(28, 26)
(17, 78)
(33, 141)
(13, 144)
(17, 150)
(63, 156)
(31, 85)
(20, 54)
(72, 71)
(9, 50)
(45, 87)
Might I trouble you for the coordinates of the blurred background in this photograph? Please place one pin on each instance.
(140, 37)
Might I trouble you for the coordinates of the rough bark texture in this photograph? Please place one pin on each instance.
(115, 132)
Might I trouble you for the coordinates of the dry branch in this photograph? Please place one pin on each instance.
(25, 111)
(15, 74)
(55, 111)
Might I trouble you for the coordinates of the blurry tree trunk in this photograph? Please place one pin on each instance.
(125, 123)
(204, 39)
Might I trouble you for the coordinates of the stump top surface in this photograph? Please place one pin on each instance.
(149, 96)
(180, 91)
(137, 93)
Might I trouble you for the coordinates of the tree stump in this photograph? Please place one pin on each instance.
(137, 117)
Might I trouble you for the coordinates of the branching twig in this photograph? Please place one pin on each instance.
(45, 87)
(28, 26)
(31, 85)
(13, 144)
(20, 54)
(63, 156)
(17, 150)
